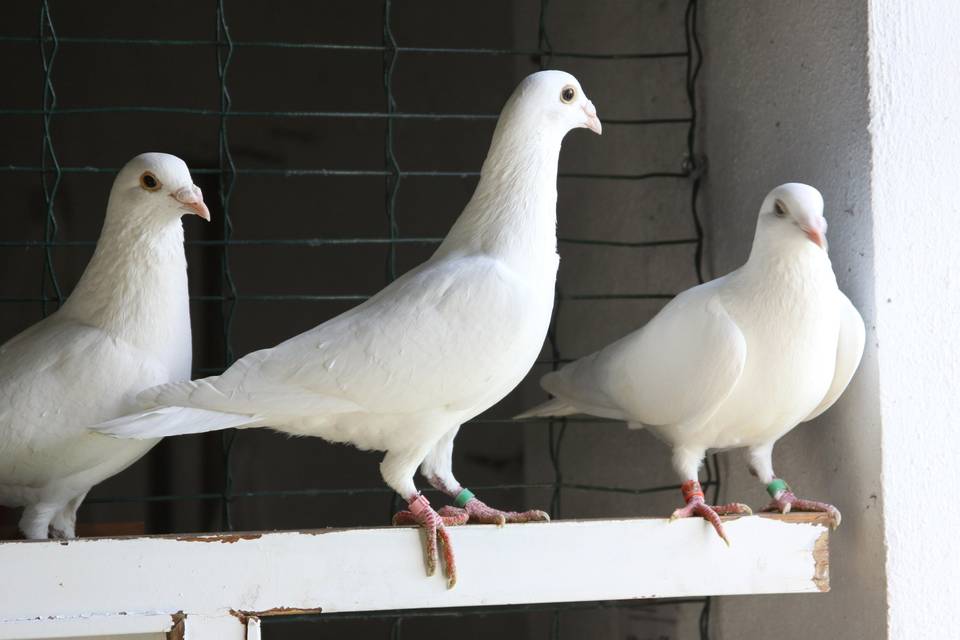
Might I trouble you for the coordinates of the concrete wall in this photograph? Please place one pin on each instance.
(785, 98)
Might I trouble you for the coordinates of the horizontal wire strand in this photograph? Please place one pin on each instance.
(360, 115)
(319, 492)
(289, 173)
(321, 242)
(361, 48)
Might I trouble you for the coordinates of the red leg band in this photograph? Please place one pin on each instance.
(691, 489)
(418, 504)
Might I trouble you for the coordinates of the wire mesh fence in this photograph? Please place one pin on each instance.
(224, 299)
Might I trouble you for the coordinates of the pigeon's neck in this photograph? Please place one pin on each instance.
(513, 212)
(785, 261)
(135, 287)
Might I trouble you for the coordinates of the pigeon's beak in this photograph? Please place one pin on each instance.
(192, 200)
(816, 230)
(593, 122)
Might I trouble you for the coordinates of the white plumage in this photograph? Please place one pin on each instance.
(736, 362)
(401, 372)
(125, 327)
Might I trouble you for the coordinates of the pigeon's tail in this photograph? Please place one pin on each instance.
(172, 421)
(549, 409)
(179, 393)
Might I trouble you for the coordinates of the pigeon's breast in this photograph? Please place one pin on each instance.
(72, 378)
(791, 356)
(509, 323)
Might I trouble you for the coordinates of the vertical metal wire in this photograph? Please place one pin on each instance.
(396, 629)
(557, 427)
(391, 186)
(50, 166)
(695, 166)
(392, 181)
(228, 176)
(392, 167)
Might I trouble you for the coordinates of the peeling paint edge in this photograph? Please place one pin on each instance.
(229, 538)
(821, 562)
(275, 611)
(178, 628)
(222, 538)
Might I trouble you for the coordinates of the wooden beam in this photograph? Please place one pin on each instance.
(245, 575)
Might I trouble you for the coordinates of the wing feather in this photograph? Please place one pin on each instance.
(850, 344)
(679, 367)
(370, 358)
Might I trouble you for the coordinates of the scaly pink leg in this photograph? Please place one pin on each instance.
(785, 501)
(696, 506)
(422, 514)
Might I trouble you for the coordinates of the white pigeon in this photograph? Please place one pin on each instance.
(401, 372)
(125, 327)
(735, 362)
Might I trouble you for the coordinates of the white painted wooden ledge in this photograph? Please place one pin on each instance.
(144, 586)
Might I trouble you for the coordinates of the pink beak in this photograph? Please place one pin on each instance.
(816, 230)
(192, 199)
(593, 122)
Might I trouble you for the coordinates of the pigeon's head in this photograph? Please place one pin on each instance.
(553, 99)
(796, 209)
(157, 185)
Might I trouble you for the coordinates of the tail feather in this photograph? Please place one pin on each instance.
(549, 409)
(174, 393)
(171, 421)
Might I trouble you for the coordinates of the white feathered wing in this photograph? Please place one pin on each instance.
(351, 364)
(850, 344)
(676, 369)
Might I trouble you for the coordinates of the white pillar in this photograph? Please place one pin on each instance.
(915, 130)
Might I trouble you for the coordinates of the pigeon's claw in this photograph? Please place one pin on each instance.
(478, 512)
(696, 506)
(433, 524)
(786, 501)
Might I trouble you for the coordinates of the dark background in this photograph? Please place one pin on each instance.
(274, 205)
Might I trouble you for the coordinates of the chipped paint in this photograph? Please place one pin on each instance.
(275, 611)
(225, 538)
(821, 561)
(178, 627)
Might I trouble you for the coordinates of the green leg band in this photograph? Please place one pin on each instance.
(777, 487)
(463, 498)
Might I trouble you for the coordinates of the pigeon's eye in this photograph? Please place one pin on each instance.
(779, 209)
(568, 94)
(149, 181)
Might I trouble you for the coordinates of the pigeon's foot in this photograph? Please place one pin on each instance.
(696, 506)
(60, 534)
(476, 511)
(422, 514)
(784, 501)
(35, 520)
